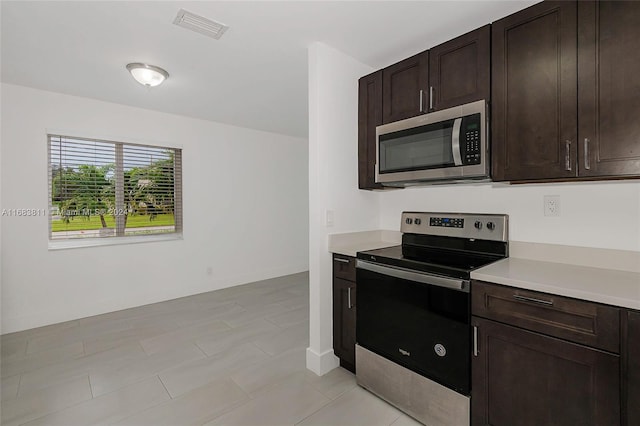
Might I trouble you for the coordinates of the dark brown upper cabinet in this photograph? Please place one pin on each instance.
(451, 74)
(460, 70)
(566, 92)
(369, 116)
(608, 88)
(404, 88)
(534, 91)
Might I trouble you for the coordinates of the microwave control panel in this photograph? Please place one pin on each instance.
(471, 140)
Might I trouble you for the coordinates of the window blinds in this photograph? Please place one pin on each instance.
(105, 189)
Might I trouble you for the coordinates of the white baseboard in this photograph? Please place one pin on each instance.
(322, 363)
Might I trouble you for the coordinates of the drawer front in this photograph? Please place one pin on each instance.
(344, 267)
(578, 321)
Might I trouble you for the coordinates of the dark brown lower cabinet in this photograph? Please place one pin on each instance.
(344, 311)
(631, 368)
(344, 322)
(522, 378)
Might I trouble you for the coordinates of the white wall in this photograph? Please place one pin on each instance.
(333, 183)
(245, 211)
(603, 215)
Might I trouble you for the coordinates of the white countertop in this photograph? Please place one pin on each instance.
(350, 243)
(599, 275)
(608, 286)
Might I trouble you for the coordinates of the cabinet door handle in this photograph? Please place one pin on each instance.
(337, 259)
(587, 160)
(349, 297)
(567, 156)
(430, 97)
(421, 100)
(533, 300)
(475, 341)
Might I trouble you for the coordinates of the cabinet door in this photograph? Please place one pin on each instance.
(459, 70)
(534, 92)
(521, 378)
(369, 116)
(609, 88)
(404, 88)
(344, 322)
(631, 370)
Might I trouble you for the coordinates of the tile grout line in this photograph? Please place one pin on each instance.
(271, 322)
(77, 403)
(200, 349)
(165, 387)
(19, 383)
(260, 349)
(329, 401)
(90, 387)
(396, 419)
(247, 394)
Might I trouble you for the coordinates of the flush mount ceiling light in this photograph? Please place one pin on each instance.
(147, 75)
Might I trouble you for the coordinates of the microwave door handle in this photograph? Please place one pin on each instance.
(455, 142)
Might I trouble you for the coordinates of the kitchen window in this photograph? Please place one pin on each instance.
(104, 192)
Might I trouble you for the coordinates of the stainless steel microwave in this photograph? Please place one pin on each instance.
(447, 145)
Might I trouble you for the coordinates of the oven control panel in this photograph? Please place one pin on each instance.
(492, 227)
(447, 222)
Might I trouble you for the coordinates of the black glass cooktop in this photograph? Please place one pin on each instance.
(446, 262)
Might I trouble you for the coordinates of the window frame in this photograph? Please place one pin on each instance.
(120, 145)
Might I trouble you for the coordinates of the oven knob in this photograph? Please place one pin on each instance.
(440, 350)
(417, 221)
(491, 226)
(478, 224)
(409, 221)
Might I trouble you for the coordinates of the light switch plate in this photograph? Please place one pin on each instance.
(329, 218)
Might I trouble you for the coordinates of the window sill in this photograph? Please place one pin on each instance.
(113, 241)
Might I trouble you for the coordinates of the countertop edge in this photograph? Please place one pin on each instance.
(348, 244)
(503, 271)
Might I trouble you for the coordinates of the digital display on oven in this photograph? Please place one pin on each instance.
(447, 222)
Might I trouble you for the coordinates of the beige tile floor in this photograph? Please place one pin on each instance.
(228, 357)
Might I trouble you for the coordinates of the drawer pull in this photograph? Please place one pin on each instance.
(533, 300)
(337, 259)
(349, 297)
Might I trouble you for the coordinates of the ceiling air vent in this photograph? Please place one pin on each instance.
(200, 24)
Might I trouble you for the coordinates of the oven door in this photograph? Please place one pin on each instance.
(416, 320)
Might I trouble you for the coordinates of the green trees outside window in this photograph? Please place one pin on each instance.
(106, 189)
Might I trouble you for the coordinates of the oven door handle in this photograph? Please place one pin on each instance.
(421, 277)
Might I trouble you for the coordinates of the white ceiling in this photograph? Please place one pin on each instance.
(255, 76)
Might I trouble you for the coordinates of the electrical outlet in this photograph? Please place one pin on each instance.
(552, 205)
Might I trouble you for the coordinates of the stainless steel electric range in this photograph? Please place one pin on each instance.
(413, 332)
